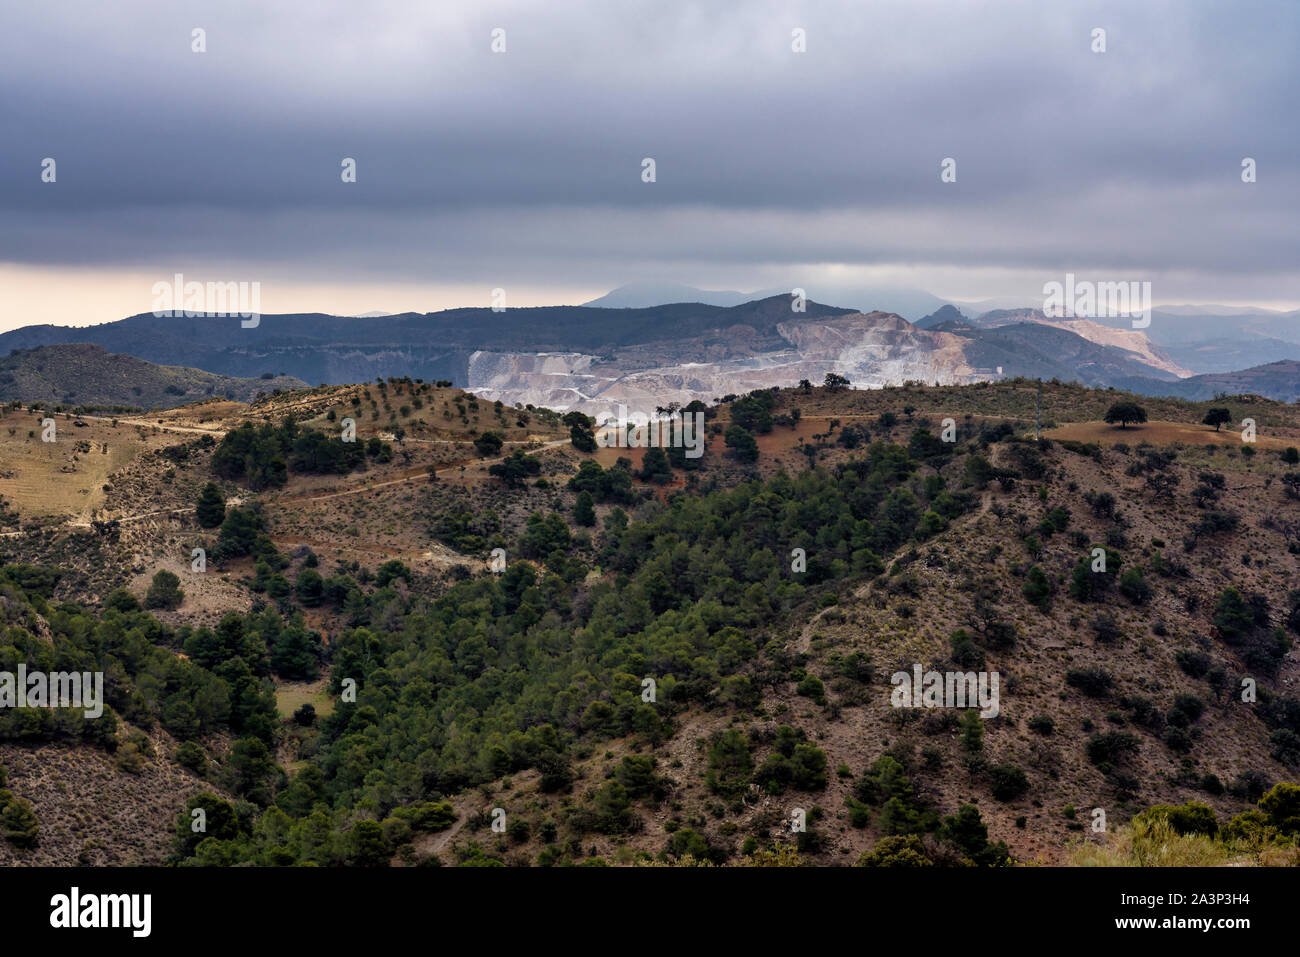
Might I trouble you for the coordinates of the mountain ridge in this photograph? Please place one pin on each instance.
(584, 357)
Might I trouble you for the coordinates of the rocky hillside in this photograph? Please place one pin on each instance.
(871, 350)
(1136, 590)
(1278, 380)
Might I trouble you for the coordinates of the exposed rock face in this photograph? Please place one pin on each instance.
(880, 348)
(872, 350)
(557, 380)
(598, 386)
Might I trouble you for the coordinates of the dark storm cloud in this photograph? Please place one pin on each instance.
(530, 161)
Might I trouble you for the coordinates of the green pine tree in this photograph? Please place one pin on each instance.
(211, 509)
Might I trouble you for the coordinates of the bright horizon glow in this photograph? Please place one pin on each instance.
(80, 297)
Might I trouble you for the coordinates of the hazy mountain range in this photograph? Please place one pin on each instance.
(909, 303)
(618, 349)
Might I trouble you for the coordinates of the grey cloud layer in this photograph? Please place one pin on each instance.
(528, 163)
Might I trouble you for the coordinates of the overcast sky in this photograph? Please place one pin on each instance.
(523, 169)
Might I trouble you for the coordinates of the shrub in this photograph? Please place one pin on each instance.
(1087, 584)
(972, 732)
(18, 823)
(1189, 707)
(730, 764)
(310, 587)
(859, 813)
(1232, 616)
(1282, 805)
(190, 756)
(1284, 746)
(1037, 589)
(687, 843)
(515, 468)
(429, 816)
(742, 444)
(584, 512)
(1111, 747)
(637, 774)
(1106, 628)
(1042, 724)
(899, 850)
(965, 652)
(969, 834)
(390, 571)
(803, 770)
(164, 591)
(1056, 520)
(1250, 785)
(1249, 827)
(1092, 681)
(885, 779)
(1133, 586)
(1185, 819)
(811, 687)
(1215, 521)
(1195, 664)
(1008, 781)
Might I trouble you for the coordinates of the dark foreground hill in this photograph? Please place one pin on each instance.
(87, 375)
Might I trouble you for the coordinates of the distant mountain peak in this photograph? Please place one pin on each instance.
(903, 301)
(643, 295)
(944, 314)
